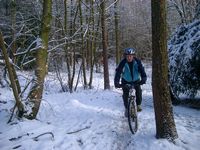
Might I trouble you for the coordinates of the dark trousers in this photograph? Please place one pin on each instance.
(138, 94)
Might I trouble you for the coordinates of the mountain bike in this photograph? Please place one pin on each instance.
(132, 109)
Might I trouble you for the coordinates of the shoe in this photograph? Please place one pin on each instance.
(126, 113)
(139, 109)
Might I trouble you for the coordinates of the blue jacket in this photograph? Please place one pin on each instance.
(123, 72)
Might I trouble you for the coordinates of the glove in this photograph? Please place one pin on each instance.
(142, 82)
(117, 85)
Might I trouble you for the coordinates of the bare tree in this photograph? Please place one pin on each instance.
(13, 43)
(104, 43)
(92, 49)
(35, 95)
(197, 10)
(135, 26)
(165, 125)
(117, 33)
(186, 9)
(11, 74)
(13, 22)
(82, 47)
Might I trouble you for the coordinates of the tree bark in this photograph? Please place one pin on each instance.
(92, 49)
(65, 15)
(36, 92)
(197, 10)
(11, 74)
(13, 22)
(14, 48)
(104, 43)
(82, 47)
(165, 125)
(68, 58)
(117, 33)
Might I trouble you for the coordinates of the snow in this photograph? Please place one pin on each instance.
(184, 55)
(92, 119)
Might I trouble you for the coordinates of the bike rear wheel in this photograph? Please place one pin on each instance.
(132, 115)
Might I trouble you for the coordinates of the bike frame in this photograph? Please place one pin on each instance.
(132, 110)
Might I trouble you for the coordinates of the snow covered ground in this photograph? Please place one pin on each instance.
(92, 120)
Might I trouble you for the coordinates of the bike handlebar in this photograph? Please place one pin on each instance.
(129, 86)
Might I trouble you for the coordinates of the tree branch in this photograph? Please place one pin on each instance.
(87, 127)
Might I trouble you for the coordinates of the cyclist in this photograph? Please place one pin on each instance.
(130, 70)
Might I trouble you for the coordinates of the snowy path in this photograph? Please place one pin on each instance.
(94, 120)
(107, 128)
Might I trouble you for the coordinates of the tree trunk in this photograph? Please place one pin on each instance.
(36, 92)
(197, 10)
(65, 15)
(165, 125)
(117, 33)
(16, 79)
(87, 35)
(13, 21)
(92, 43)
(11, 73)
(82, 47)
(71, 15)
(104, 43)
(68, 58)
(14, 48)
(70, 83)
(97, 62)
(74, 52)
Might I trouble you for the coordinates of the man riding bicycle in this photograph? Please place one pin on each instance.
(131, 71)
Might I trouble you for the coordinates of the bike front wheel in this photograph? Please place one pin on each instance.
(132, 115)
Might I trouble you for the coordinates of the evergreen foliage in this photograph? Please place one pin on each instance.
(184, 58)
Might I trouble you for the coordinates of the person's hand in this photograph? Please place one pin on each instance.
(117, 85)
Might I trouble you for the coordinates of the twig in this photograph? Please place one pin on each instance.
(10, 119)
(78, 76)
(16, 147)
(19, 137)
(36, 138)
(87, 127)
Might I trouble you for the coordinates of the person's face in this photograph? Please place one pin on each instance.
(129, 58)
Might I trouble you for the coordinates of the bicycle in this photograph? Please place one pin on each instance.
(132, 109)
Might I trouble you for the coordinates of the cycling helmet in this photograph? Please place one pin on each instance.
(129, 51)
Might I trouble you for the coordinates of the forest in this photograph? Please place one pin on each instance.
(76, 43)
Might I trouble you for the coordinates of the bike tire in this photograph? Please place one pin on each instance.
(132, 115)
